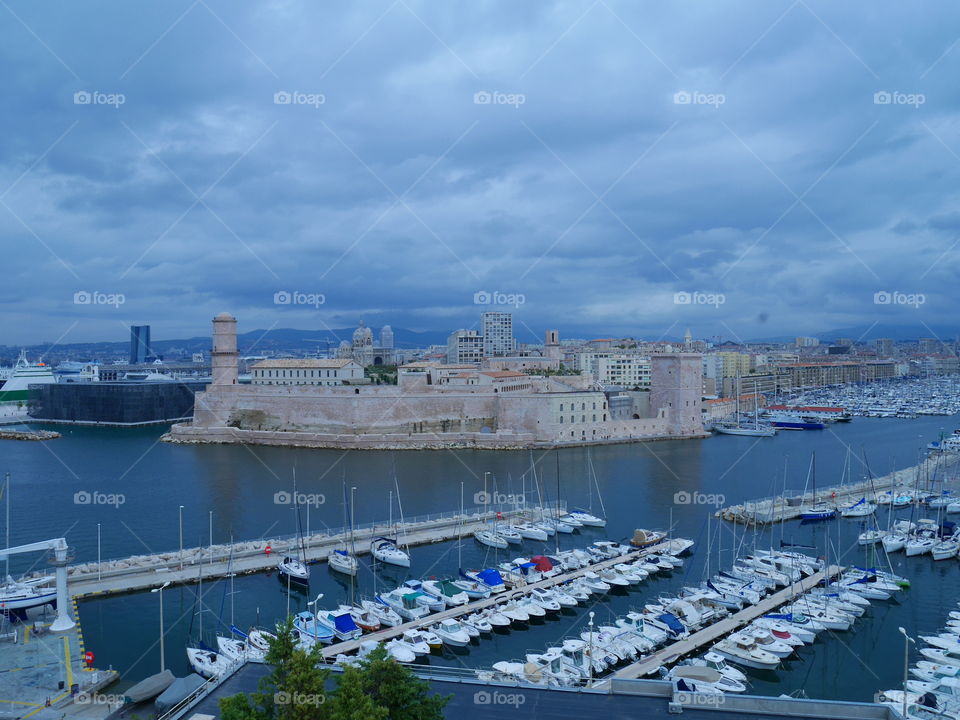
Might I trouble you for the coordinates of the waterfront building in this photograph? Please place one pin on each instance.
(437, 404)
(139, 344)
(497, 331)
(929, 346)
(307, 371)
(627, 370)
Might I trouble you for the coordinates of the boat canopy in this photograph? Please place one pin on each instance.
(542, 563)
(490, 577)
(344, 623)
(672, 622)
(178, 691)
(341, 552)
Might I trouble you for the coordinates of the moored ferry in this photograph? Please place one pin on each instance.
(821, 413)
(25, 374)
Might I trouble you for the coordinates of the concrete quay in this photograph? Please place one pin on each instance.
(789, 506)
(143, 572)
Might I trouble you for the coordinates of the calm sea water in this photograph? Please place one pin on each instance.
(638, 485)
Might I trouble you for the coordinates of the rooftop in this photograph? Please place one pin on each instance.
(303, 363)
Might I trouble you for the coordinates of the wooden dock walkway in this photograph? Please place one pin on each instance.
(710, 634)
(331, 651)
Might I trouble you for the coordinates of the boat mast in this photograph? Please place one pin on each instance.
(6, 526)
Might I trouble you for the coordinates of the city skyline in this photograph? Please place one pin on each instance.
(388, 166)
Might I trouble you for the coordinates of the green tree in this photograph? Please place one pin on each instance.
(399, 691)
(351, 701)
(294, 689)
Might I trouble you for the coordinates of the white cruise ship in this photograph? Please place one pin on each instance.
(25, 374)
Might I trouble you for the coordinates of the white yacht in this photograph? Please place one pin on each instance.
(25, 374)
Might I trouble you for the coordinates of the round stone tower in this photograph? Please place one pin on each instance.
(224, 356)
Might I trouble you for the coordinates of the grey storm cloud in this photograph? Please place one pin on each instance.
(598, 157)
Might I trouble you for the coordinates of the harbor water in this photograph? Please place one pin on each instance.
(126, 488)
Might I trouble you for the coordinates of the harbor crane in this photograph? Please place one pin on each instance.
(59, 561)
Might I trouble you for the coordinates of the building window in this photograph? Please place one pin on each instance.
(561, 419)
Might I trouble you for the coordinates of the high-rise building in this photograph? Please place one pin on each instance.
(884, 347)
(930, 346)
(464, 346)
(139, 344)
(497, 330)
(386, 337)
(806, 342)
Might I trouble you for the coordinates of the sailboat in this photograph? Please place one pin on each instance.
(490, 536)
(861, 508)
(294, 568)
(819, 510)
(204, 660)
(738, 428)
(344, 561)
(586, 517)
(386, 549)
(16, 596)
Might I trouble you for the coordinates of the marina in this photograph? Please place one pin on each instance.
(260, 594)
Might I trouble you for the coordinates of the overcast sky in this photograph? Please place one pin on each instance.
(742, 168)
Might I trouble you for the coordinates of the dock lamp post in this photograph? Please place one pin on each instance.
(906, 655)
(163, 664)
(590, 659)
(180, 517)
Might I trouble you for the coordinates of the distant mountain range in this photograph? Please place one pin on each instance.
(255, 342)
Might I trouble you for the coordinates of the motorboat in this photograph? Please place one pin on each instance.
(741, 649)
(595, 583)
(343, 562)
(480, 585)
(576, 655)
(531, 607)
(417, 642)
(400, 650)
(311, 631)
(544, 598)
(387, 551)
(404, 603)
(766, 641)
(614, 578)
(509, 534)
(635, 622)
(493, 616)
(512, 610)
(646, 538)
(434, 603)
(208, 663)
(447, 591)
(716, 662)
(480, 621)
(340, 622)
(364, 619)
(382, 612)
(698, 678)
(450, 631)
